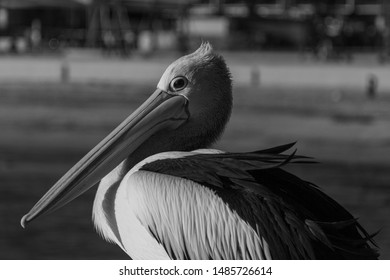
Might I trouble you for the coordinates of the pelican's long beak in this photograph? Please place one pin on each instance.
(161, 111)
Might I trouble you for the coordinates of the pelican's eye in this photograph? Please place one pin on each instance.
(178, 83)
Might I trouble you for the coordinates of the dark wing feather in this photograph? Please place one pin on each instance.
(296, 219)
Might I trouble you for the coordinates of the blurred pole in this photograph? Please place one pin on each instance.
(351, 4)
(285, 4)
(148, 41)
(93, 24)
(65, 69)
(126, 34)
(3, 18)
(183, 29)
(255, 77)
(121, 26)
(252, 16)
(372, 86)
(220, 6)
(386, 36)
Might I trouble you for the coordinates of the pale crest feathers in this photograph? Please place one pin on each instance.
(204, 59)
(204, 49)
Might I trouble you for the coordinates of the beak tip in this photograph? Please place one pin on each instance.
(24, 221)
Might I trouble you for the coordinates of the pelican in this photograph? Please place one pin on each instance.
(164, 194)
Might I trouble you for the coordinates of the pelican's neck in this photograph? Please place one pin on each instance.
(191, 136)
(103, 205)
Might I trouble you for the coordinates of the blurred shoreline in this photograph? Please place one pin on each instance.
(257, 68)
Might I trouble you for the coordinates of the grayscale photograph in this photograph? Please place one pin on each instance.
(194, 130)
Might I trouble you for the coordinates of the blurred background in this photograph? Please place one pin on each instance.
(315, 72)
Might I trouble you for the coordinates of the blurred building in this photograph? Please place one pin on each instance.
(121, 26)
(145, 25)
(41, 24)
(294, 23)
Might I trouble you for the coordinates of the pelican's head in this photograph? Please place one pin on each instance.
(204, 80)
(188, 110)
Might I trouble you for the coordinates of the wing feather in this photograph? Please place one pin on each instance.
(295, 218)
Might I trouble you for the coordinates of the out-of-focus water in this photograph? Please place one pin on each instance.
(46, 128)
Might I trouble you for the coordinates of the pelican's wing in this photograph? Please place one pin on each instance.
(292, 218)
